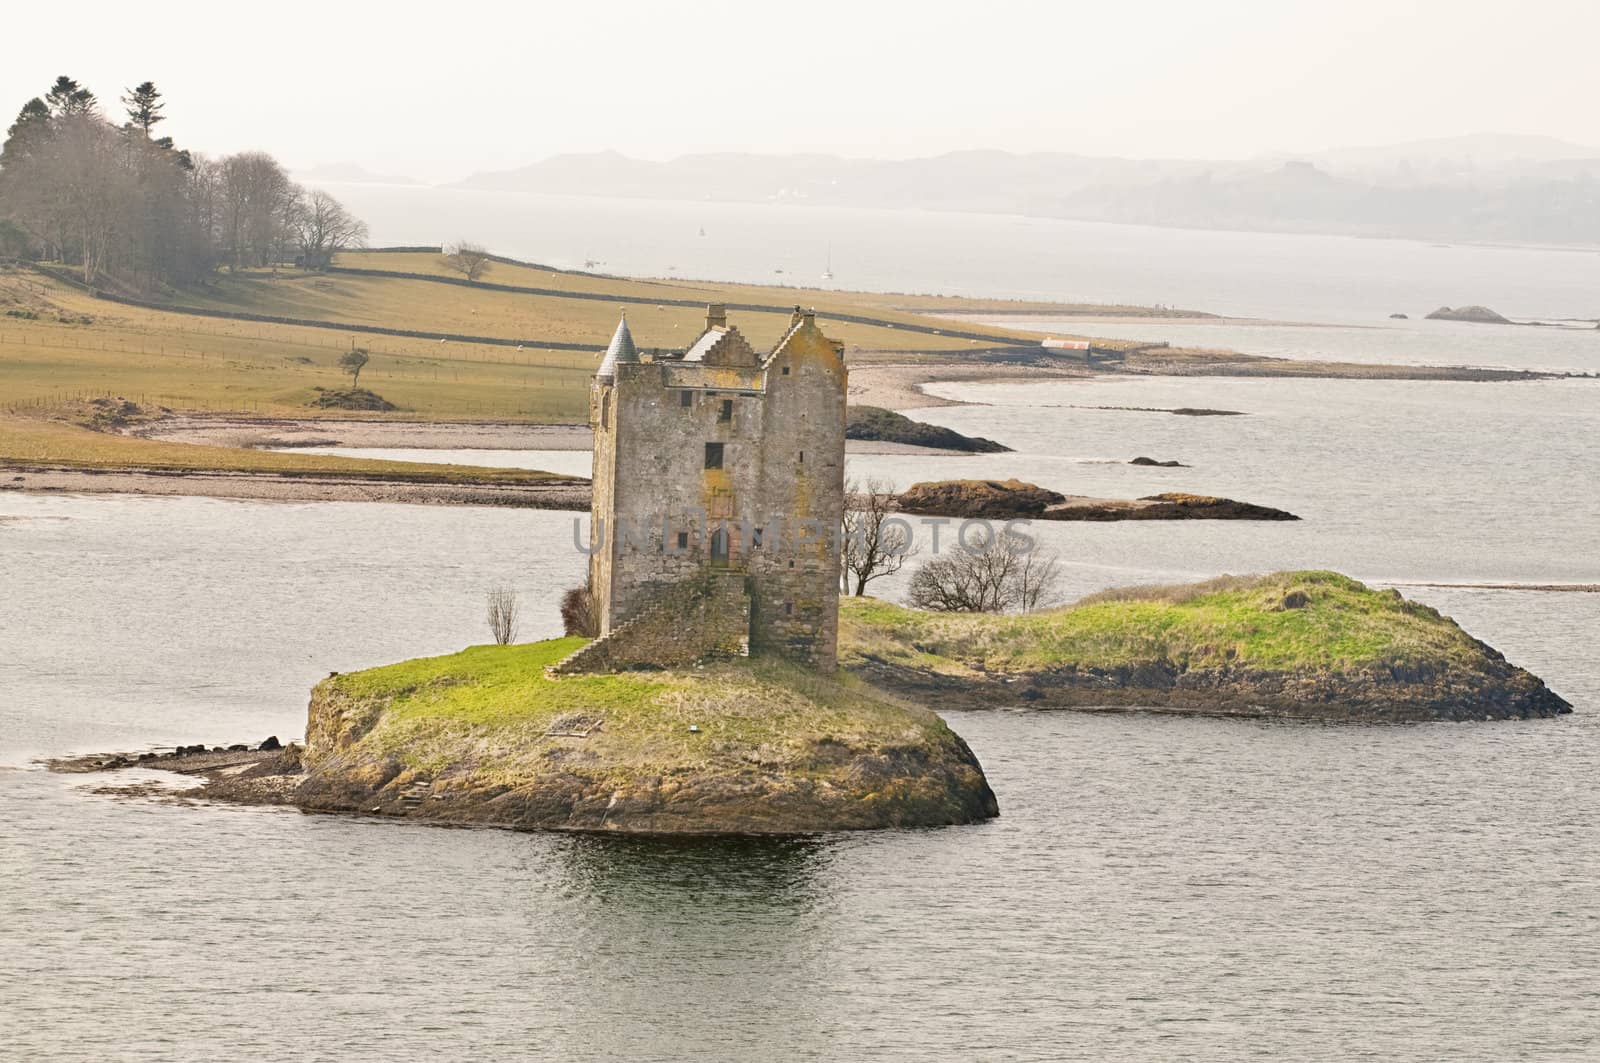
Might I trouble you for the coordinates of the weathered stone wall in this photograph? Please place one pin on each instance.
(778, 494)
(703, 618)
(795, 607)
(663, 417)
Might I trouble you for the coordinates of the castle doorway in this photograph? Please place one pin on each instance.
(719, 547)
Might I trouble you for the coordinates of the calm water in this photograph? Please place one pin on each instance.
(1366, 338)
(1349, 286)
(1155, 888)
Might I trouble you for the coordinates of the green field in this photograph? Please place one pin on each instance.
(738, 704)
(191, 363)
(61, 347)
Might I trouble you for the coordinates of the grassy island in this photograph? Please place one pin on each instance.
(756, 746)
(1309, 645)
(487, 736)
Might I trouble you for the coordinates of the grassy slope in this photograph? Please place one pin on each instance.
(1233, 623)
(195, 363)
(499, 700)
(77, 346)
(533, 276)
(402, 302)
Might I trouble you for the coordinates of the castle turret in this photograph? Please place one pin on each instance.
(621, 349)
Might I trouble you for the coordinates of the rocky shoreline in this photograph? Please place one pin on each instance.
(1310, 646)
(489, 737)
(1379, 695)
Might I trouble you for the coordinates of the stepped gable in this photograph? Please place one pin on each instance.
(721, 344)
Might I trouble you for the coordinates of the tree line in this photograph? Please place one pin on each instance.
(128, 207)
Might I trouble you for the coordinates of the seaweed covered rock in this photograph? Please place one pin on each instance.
(1016, 500)
(996, 499)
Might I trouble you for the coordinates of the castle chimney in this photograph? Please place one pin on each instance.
(716, 316)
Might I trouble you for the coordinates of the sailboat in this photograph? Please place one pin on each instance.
(827, 273)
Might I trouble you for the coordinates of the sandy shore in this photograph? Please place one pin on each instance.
(898, 386)
(413, 435)
(323, 432)
(289, 487)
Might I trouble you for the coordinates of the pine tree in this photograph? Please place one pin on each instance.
(144, 106)
(33, 122)
(67, 97)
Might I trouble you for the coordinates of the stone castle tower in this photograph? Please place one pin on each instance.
(718, 493)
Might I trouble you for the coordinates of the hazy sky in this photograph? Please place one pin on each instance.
(441, 90)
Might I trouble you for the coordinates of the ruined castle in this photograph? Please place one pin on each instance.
(718, 492)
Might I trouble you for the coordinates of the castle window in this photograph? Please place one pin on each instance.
(685, 398)
(756, 537)
(726, 413)
(713, 455)
(785, 370)
(683, 540)
(788, 608)
(802, 457)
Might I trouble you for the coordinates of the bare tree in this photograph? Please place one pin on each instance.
(502, 615)
(256, 194)
(353, 361)
(468, 259)
(1005, 574)
(129, 208)
(323, 227)
(875, 542)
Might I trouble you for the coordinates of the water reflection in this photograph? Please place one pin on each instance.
(707, 943)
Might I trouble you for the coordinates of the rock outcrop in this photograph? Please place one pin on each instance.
(1481, 315)
(1295, 645)
(487, 737)
(1017, 500)
(1174, 505)
(887, 426)
(993, 499)
(351, 399)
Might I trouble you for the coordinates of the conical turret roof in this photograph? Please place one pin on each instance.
(621, 349)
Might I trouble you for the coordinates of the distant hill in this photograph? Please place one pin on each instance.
(353, 173)
(1489, 187)
(1464, 159)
